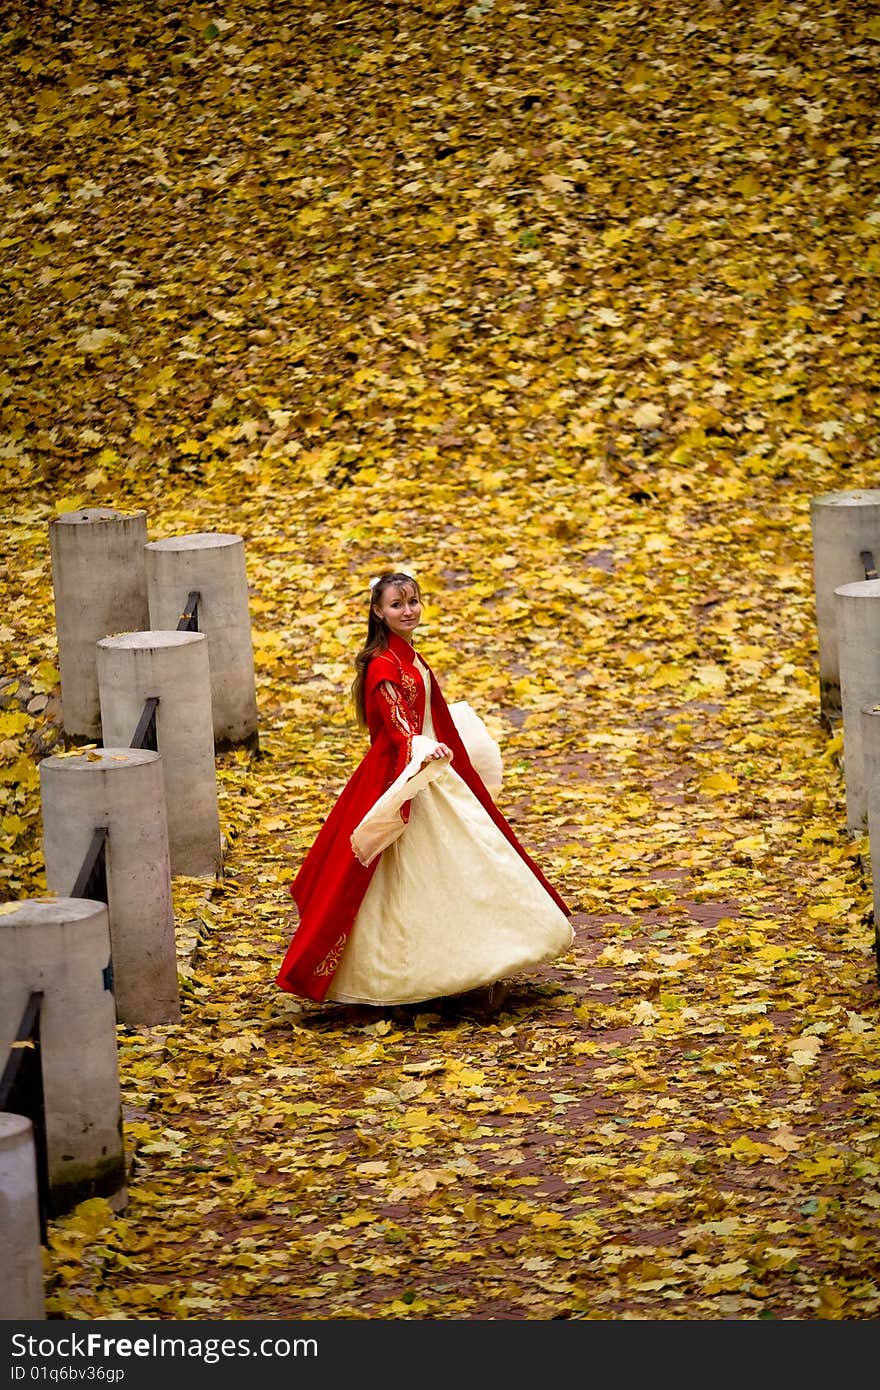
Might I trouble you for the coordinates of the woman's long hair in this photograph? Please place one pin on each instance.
(377, 636)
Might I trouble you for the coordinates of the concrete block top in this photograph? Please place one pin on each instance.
(854, 497)
(860, 588)
(102, 759)
(49, 911)
(149, 641)
(13, 1128)
(92, 514)
(197, 540)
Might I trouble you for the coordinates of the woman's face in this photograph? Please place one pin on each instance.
(400, 609)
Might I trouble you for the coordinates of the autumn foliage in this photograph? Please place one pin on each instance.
(570, 309)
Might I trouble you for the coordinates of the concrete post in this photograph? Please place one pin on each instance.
(123, 789)
(212, 564)
(871, 763)
(858, 648)
(62, 947)
(173, 666)
(21, 1269)
(843, 525)
(100, 586)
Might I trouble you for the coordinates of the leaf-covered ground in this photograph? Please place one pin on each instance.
(571, 309)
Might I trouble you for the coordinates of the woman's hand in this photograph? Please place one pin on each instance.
(441, 751)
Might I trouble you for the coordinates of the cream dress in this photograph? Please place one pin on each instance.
(451, 905)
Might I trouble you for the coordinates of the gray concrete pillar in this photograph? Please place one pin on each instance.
(100, 586)
(21, 1269)
(123, 789)
(212, 564)
(871, 764)
(843, 525)
(62, 947)
(173, 666)
(857, 609)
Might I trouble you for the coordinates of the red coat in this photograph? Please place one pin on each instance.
(331, 883)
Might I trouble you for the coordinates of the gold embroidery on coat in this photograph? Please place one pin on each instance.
(398, 715)
(331, 961)
(410, 686)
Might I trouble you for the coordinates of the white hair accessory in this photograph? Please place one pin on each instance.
(374, 581)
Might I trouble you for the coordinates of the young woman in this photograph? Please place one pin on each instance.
(416, 887)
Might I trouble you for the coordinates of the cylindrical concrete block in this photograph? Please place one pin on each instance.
(213, 565)
(857, 608)
(123, 789)
(62, 947)
(843, 525)
(871, 764)
(21, 1269)
(174, 667)
(100, 586)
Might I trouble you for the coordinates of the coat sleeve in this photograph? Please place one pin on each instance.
(384, 696)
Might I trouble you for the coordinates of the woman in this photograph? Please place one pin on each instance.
(416, 887)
